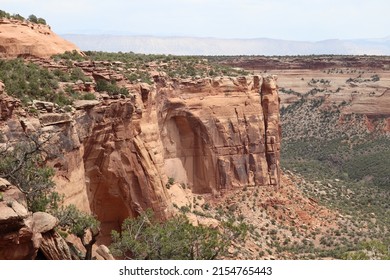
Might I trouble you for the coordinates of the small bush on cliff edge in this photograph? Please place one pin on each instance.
(35, 19)
(23, 165)
(85, 226)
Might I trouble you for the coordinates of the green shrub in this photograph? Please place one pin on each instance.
(110, 87)
(41, 21)
(17, 17)
(23, 165)
(81, 224)
(4, 14)
(77, 74)
(146, 238)
(28, 81)
(88, 96)
(73, 55)
(32, 18)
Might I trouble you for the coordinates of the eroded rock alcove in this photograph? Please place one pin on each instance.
(221, 133)
(188, 154)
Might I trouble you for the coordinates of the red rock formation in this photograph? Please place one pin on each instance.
(7, 104)
(122, 177)
(23, 234)
(221, 133)
(19, 38)
(270, 102)
(117, 154)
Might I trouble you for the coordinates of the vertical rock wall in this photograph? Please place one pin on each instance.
(270, 103)
(115, 155)
(221, 133)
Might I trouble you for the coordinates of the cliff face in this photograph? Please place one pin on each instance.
(115, 155)
(19, 38)
(220, 133)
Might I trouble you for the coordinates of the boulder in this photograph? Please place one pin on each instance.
(44, 106)
(104, 252)
(44, 222)
(85, 104)
(16, 232)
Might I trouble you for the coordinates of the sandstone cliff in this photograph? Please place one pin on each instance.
(115, 155)
(21, 39)
(220, 133)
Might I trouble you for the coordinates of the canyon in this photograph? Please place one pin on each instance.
(200, 136)
(116, 154)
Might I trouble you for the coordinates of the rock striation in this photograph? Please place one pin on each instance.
(116, 155)
(220, 133)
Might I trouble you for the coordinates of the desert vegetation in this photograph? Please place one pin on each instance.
(24, 165)
(28, 81)
(31, 18)
(334, 197)
(147, 238)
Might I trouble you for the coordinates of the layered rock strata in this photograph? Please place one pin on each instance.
(220, 133)
(115, 156)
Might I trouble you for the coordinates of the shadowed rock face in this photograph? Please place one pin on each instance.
(116, 155)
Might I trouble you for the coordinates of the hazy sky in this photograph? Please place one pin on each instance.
(311, 20)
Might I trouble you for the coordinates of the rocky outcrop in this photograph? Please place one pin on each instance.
(26, 39)
(104, 252)
(8, 104)
(23, 234)
(270, 103)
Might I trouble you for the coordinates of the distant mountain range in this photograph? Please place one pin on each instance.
(214, 46)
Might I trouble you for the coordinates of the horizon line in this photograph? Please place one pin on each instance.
(220, 38)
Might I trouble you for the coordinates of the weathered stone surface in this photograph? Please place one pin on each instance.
(15, 226)
(18, 39)
(8, 105)
(4, 184)
(54, 247)
(104, 252)
(44, 222)
(270, 103)
(121, 176)
(84, 104)
(42, 105)
(22, 234)
(54, 118)
(9, 214)
(214, 132)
